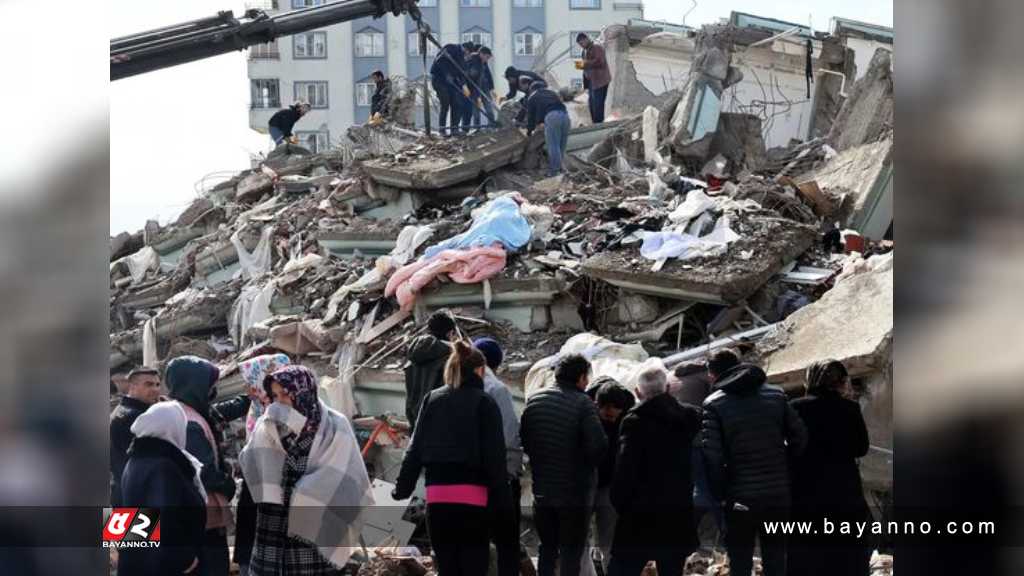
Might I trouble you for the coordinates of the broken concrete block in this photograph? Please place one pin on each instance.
(301, 338)
(864, 175)
(739, 138)
(867, 114)
(650, 133)
(634, 309)
(197, 208)
(565, 315)
(253, 187)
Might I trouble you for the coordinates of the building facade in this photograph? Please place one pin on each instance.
(330, 68)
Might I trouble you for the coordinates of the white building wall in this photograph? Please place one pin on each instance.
(563, 21)
(863, 51)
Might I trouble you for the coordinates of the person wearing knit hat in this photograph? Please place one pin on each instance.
(427, 356)
(505, 530)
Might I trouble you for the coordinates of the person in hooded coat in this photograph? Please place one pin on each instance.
(192, 381)
(749, 432)
(254, 373)
(826, 480)
(160, 474)
(427, 356)
(652, 488)
(613, 402)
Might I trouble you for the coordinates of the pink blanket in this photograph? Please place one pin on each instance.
(462, 266)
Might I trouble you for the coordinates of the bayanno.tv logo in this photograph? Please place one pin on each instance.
(132, 528)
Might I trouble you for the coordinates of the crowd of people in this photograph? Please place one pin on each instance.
(642, 465)
(464, 85)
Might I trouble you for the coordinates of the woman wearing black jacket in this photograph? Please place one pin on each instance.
(826, 479)
(458, 442)
(161, 475)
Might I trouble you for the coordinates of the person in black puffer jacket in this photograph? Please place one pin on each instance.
(427, 357)
(160, 474)
(460, 446)
(749, 432)
(562, 435)
(826, 480)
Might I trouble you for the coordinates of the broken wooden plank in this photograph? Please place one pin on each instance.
(368, 323)
(382, 328)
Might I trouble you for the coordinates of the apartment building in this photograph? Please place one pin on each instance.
(331, 68)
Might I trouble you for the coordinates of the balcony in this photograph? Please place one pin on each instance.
(263, 54)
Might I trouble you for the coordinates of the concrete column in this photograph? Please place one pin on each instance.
(344, 110)
(396, 46)
(449, 22)
(502, 37)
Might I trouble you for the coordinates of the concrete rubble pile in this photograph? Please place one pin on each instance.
(662, 236)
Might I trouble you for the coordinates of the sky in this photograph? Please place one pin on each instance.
(171, 128)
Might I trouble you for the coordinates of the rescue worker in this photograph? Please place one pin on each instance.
(380, 103)
(282, 122)
(514, 75)
(596, 75)
(482, 86)
(544, 106)
(449, 83)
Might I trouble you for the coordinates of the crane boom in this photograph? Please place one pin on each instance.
(223, 33)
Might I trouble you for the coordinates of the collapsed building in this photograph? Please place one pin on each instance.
(677, 229)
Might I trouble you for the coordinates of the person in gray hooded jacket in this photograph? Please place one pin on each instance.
(427, 356)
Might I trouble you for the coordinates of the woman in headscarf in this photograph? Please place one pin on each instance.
(306, 474)
(459, 442)
(160, 474)
(826, 479)
(254, 372)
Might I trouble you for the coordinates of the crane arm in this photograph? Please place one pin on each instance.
(223, 33)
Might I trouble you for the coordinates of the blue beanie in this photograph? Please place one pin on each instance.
(491, 350)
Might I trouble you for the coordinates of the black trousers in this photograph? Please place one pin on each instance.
(448, 108)
(245, 526)
(505, 531)
(215, 560)
(597, 96)
(563, 537)
(459, 537)
(631, 562)
(742, 528)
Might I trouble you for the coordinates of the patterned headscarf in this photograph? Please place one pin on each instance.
(300, 383)
(254, 372)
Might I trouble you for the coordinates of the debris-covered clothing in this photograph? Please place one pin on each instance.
(749, 433)
(498, 221)
(284, 120)
(121, 420)
(324, 472)
(381, 99)
(595, 67)
(513, 82)
(424, 373)
(652, 490)
(561, 434)
(468, 266)
(539, 104)
(159, 475)
(457, 442)
(827, 483)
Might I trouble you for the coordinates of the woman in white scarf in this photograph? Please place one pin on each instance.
(162, 476)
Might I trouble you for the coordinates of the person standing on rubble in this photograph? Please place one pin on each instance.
(749, 433)
(254, 373)
(544, 106)
(561, 434)
(513, 75)
(505, 520)
(652, 487)
(460, 445)
(613, 400)
(692, 386)
(478, 70)
(596, 75)
(143, 391)
(380, 103)
(449, 82)
(161, 474)
(192, 382)
(282, 122)
(427, 357)
(826, 480)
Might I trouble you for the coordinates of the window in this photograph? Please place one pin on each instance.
(481, 37)
(369, 43)
(315, 142)
(266, 51)
(310, 45)
(265, 94)
(576, 84)
(577, 52)
(413, 44)
(364, 93)
(475, 3)
(528, 43)
(306, 3)
(427, 3)
(313, 92)
(527, 3)
(584, 4)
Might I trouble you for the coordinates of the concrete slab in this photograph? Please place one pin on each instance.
(864, 174)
